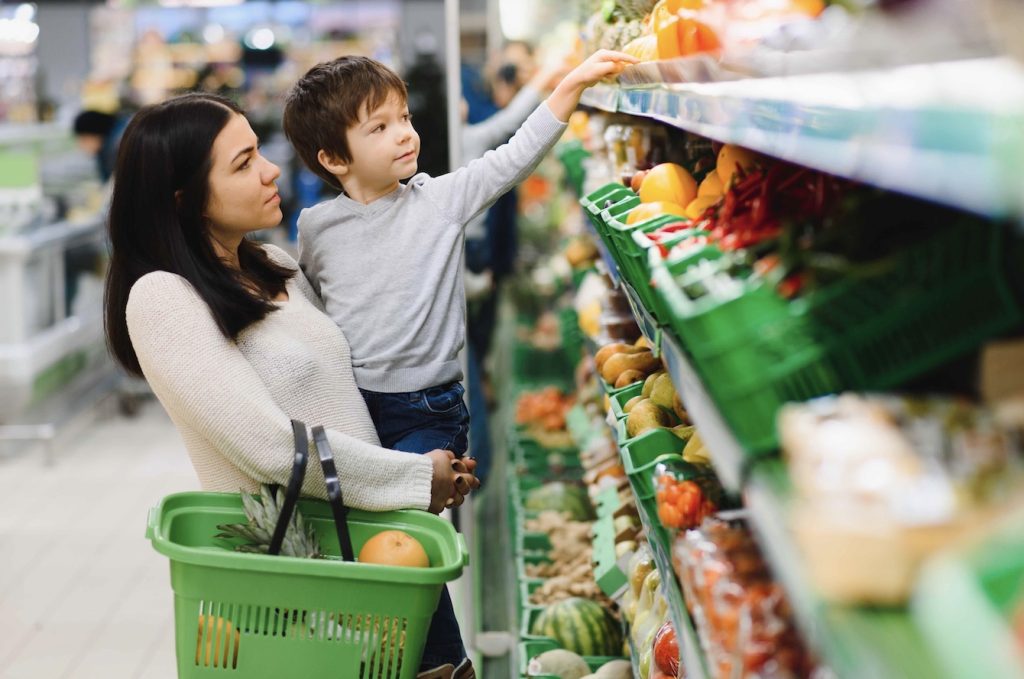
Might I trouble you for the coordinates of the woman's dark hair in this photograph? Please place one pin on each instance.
(156, 221)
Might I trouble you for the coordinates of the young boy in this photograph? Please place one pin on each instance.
(387, 257)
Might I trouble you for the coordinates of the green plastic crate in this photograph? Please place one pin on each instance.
(601, 199)
(628, 256)
(298, 617)
(622, 397)
(965, 602)
(572, 336)
(572, 154)
(530, 614)
(541, 366)
(757, 351)
(609, 577)
(643, 453)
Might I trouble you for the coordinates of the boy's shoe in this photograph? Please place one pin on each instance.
(448, 671)
(464, 670)
(441, 672)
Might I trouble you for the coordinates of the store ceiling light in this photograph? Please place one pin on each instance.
(18, 32)
(25, 12)
(213, 33)
(260, 39)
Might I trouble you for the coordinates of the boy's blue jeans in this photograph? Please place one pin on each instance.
(418, 422)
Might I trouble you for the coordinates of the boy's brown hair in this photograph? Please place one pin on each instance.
(327, 101)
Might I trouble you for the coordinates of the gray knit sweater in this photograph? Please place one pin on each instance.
(391, 272)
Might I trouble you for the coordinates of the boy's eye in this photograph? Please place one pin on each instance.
(379, 128)
(407, 117)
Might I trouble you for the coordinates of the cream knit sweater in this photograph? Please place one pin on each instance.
(232, 401)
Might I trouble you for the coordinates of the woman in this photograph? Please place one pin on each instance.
(230, 336)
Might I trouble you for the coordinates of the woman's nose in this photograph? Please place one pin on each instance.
(271, 172)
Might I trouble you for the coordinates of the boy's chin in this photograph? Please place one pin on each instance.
(409, 173)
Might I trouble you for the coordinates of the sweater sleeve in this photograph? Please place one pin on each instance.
(206, 384)
(307, 263)
(477, 139)
(467, 191)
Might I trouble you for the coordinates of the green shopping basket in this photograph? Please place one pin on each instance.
(266, 617)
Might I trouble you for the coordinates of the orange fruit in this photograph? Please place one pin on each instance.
(711, 186)
(669, 183)
(394, 548)
(699, 205)
(731, 157)
(809, 7)
(645, 211)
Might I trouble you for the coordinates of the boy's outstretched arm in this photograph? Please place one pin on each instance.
(468, 190)
(599, 65)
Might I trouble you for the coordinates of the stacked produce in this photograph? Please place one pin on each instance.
(623, 364)
(742, 615)
(918, 474)
(670, 29)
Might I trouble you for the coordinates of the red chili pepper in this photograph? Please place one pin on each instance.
(791, 286)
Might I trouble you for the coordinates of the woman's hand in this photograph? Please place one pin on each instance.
(453, 480)
(598, 66)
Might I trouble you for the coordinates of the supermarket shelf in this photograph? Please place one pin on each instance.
(950, 132)
(727, 456)
(856, 642)
(690, 651)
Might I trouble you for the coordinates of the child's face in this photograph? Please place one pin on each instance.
(384, 146)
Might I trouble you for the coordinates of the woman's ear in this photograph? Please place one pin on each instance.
(331, 163)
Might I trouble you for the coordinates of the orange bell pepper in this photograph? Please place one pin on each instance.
(668, 39)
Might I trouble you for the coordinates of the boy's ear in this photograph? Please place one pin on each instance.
(331, 163)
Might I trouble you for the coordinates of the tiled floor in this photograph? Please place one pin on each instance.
(82, 593)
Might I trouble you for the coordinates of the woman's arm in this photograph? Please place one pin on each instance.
(205, 383)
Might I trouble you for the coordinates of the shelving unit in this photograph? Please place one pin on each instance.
(949, 132)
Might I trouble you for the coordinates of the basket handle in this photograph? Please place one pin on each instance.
(334, 493)
(291, 495)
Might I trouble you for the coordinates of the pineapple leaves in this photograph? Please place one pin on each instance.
(263, 512)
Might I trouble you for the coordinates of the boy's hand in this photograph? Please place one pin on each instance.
(598, 66)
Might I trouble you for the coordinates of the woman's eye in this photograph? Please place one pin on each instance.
(245, 165)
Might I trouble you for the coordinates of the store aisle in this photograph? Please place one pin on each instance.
(82, 593)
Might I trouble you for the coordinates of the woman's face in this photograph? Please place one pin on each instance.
(243, 193)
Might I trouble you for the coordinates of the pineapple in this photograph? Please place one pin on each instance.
(299, 539)
(634, 10)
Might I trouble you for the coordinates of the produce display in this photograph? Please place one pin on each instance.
(568, 569)
(544, 409)
(684, 502)
(764, 283)
(563, 497)
(742, 615)
(916, 473)
(623, 364)
(669, 29)
(580, 625)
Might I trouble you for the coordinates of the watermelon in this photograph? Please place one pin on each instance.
(580, 625)
(561, 497)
